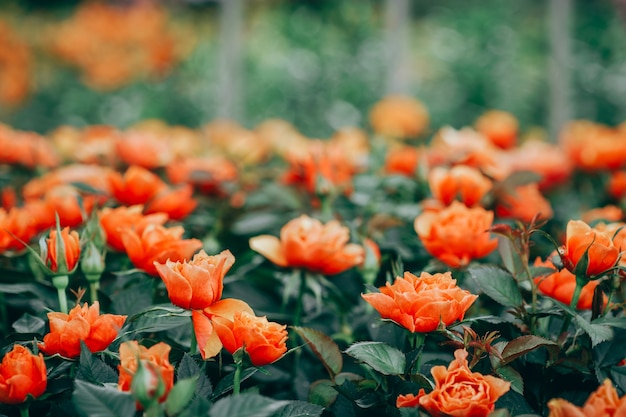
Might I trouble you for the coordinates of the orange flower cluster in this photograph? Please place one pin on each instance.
(82, 323)
(457, 234)
(25, 148)
(15, 63)
(462, 183)
(458, 392)
(22, 374)
(115, 45)
(307, 243)
(500, 127)
(421, 304)
(593, 147)
(524, 203)
(156, 362)
(602, 402)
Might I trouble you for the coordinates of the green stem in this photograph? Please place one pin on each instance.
(93, 290)
(193, 344)
(24, 410)
(237, 378)
(576, 295)
(61, 282)
(297, 317)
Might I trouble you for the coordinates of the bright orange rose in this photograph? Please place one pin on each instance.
(265, 342)
(82, 323)
(307, 243)
(16, 222)
(545, 159)
(524, 203)
(499, 127)
(69, 204)
(208, 174)
(580, 239)
(21, 374)
(156, 358)
(137, 186)
(420, 304)
(157, 244)
(177, 203)
(95, 176)
(593, 146)
(456, 234)
(402, 160)
(461, 183)
(115, 220)
(399, 117)
(196, 284)
(617, 185)
(561, 284)
(608, 213)
(458, 392)
(602, 402)
(71, 242)
(144, 149)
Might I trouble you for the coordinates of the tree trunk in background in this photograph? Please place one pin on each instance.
(559, 31)
(397, 25)
(229, 60)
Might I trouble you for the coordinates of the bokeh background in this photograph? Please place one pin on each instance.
(319, 64)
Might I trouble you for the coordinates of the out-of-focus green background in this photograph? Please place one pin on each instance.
(322, 64)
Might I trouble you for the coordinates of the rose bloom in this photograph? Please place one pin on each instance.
(456, 234)
(617, 185)
(560, 285)
(69, 204)
(545, 159)
(500, 127)
(71, 243)
(608, 213)
(208, 174)
(82, 323)
(458, 392)
(21, 374)
(594, 147)
(581, 239)
(265, 342)
(399, 117)
(602, 402)
(307, 243)
(420, 304)
(136, 186)
(461, 183)
(94, 176)
(402, 160)
(144, 148)
(115, 220)
(523, 204)
(157, 243)
(177, 203)
(16, 223)
(198, 283)
(157, 358)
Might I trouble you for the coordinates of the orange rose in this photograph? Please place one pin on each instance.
(461, 183)
(499, 127)
(524, 203)
(21, 374)
(545, 159)
(177, 203)
(458, 392)
(402, 160)
(144, 149)
(560, 285)
(156, 358)
(82, 323)
(265, 342)
(157, 244)
(608, 213)
(617, 185)
(593, 146)
(137, 186)
(16, 222)
(209, 174)
(196, 284)
(602, 402)
(456, 234)
(420, 304)
(69, 204)
(71, 246)
(307, 243)
(581, 239)
(115, 220)
(399, 117)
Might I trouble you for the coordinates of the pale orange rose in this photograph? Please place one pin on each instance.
(458, 392)
(545, 159)
(156, 357)
(500, 127)
(604, 401)
(460, 183)
(608, 213)
(177, 202)
(307, 243)
(420, 304)
(581, 239)
(524, 203)
(399, 117)
(594, 147)
(457, 234)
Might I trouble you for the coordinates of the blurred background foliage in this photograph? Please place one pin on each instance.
(322, 64)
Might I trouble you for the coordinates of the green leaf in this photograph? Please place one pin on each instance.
(524, 344)
(92, 369)
(511, 375)
(497, 284)
(226, 383)
(323, 392)
(134, 299)
(181, 394)
(198, 407)
(510, 258)
(246, 405)
(501, 412)
(29, 324)
(188, 368)
(380, 356)
(324, 348)
(300, 409)
(598, 333)
(106, 401)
